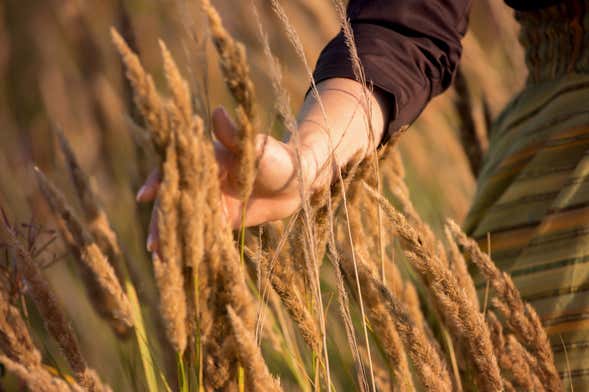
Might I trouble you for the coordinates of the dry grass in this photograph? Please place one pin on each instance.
(520, 317)
(253, 310)
(100, 277)
(52, 314)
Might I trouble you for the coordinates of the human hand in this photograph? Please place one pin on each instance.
(276, 192)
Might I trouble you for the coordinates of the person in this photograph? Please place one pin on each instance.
(532, 192)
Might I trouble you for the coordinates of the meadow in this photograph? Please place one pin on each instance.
(370, 286)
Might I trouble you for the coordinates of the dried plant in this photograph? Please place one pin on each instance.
(103, 286)
(458, 265)
(38, 378)
(51, 312)
(282, 276)
(237, 78)
(225, 297)
(168, 269)
(466, 323)
(512, 357)
(520, 317)
(431, 368)
(257, 374)
(147, 99)
(383, 323)
(95, 216)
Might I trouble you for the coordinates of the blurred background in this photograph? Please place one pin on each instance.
(58, 68)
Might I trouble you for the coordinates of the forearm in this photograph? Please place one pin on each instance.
(331, 132)
(409, 49)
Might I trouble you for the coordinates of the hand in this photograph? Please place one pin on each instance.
(330, 133)
(276, 193)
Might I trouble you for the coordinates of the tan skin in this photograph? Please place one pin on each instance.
(325, 143)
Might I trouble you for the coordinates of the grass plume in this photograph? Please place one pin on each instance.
(520, 317)
(103, 285)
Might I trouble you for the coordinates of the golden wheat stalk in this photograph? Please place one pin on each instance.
(282, 103)
(147, 99)
(222, 281)
(258, 377)
(177, 85)
(229, 269)
(218, 369)
(512, 357)
(53, 315)
(237, 78)
(384, 327)
(394, 177)
(458, 265)
(465, 322)
(344, 193)
(38, 378)
(524, 375)
(191, 217)
(233, 61)
(281, 276)
(104, 287)
(520, 317)
(98, 223)
(380, 319)
(168, 268)
(430, 367)
(312, 260)
(189, 134)
(16, 342)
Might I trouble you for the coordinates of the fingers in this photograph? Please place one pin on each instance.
(225, 130)
(150, 188)
(258, 211)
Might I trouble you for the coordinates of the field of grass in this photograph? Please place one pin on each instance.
(367, 287)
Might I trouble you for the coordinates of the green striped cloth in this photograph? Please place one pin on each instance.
(533, 191)
(533, 198)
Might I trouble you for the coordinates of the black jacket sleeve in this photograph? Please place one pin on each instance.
(408, 48)
(527, 5)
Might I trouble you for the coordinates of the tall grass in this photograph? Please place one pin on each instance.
(355, 291)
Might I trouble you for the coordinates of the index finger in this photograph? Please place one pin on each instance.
(149, 190)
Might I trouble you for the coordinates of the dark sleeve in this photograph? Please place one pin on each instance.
(408, 48)
(527, 5)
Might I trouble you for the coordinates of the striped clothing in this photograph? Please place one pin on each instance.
(533, 191)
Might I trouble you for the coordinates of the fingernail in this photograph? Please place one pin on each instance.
(149, 243)
(140, 193)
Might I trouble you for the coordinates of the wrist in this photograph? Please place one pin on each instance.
(315, 157)
(335, 130)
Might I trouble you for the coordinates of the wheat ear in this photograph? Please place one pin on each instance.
(458, 265)
(431, 368)
(38, 378)
(465, 322)
(280, 277)
(257, 375)
(520, 317)
(237, 78)
(381, 320)
(511, 356)
(147, 99)
(102, 283)
(52, 314)
(168, 268)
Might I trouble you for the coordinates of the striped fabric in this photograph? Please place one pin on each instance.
(533, 199)
(533, 191)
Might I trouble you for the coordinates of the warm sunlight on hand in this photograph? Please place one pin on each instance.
(276, 192)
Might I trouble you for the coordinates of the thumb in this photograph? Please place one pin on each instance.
(225, 130)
